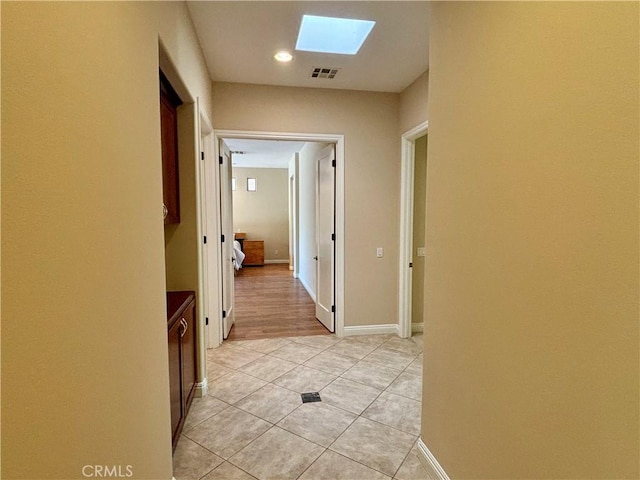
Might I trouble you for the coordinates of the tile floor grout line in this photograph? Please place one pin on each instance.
(227, 461)
(285, 430)
(357, 461)
(212, 415)
(405, 457)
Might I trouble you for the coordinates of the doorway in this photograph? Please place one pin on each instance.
(409, 238)
(337, 235)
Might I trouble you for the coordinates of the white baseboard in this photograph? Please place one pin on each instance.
(201, 388)
(417, 327)
(311, 293)
(282, 260)
(371, 329)
(429, 462)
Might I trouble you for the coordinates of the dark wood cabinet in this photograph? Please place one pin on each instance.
(175, 377)
(181, 324)
(169, 102)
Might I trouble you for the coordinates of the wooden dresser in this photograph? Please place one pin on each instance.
(254, 253)
(181, 325)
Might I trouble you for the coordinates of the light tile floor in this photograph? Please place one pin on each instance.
(253, 424)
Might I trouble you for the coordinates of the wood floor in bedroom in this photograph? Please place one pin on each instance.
(270, 303)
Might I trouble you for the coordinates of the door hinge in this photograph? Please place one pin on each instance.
(224, 314)
(333, 237)
(206, 320)
(205, 239)
(333, 309)
(333, 163)
(201, 155)
(222, 238)
(220, 159)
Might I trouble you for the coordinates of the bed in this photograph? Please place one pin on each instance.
(238, 255)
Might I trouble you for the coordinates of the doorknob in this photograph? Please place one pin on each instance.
(315, 258)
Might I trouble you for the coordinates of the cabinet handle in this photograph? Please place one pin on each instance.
(184, 323)
(165, 211)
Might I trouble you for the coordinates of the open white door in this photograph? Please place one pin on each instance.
(325, 228)
(226, 227)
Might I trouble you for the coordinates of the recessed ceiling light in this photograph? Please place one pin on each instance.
(283, 56)
(332, 35)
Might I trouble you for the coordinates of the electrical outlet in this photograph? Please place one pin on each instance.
(379, 252)
(421, 251)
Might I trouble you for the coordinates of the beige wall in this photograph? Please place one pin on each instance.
(264, 214)
(84, 354)
(413, 103)
(531, 350)
(369, 122)
(419, 212)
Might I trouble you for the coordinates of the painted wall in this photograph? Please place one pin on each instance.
(413, 103)
(531, 349)
(84, 353)
(369, 122)
(264, 214)
(419, 213)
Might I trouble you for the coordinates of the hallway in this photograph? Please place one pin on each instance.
(269, 303)
(253, 423)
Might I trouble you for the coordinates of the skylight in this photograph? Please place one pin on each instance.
(332, 35)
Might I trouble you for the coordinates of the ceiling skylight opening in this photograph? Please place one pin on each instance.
(332, 35)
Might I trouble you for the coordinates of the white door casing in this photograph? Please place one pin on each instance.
(406, 226)
(325, 231)
(226, 224)
(338, 140)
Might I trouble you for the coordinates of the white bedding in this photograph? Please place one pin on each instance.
(238, 255)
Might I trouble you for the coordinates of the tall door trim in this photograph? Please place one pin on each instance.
(406, 226)
(338, 140)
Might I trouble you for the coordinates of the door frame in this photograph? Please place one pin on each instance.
(293, 220)
(338, 140)
(406, 225)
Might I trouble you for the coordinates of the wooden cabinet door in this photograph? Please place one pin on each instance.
(254, 252)
(169, 102)
(189, 375)
(175, 379)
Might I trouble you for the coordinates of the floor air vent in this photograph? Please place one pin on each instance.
(324, 72)
(310, 397)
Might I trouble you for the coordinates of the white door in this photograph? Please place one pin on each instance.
(226, 227)
(325, 228)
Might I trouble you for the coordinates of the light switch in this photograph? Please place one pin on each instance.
(421, 251)
(380, 252)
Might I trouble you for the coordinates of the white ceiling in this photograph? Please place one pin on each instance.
(239, 39)
(262, 153)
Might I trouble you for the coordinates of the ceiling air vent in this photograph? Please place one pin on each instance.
(324, 72)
